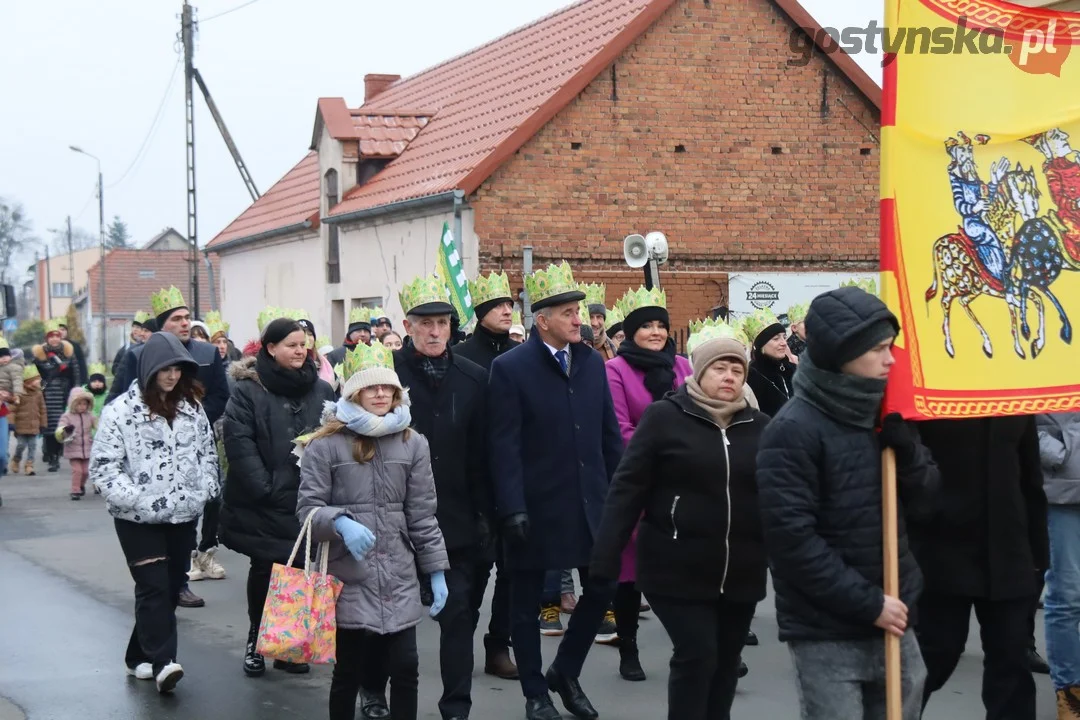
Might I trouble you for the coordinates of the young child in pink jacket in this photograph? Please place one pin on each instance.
(75, 430)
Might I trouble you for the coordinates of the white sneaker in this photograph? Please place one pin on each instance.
(142, 671)
(211, 568)
(196, 572)
(168, 677)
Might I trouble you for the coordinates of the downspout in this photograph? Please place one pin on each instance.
(459, 200)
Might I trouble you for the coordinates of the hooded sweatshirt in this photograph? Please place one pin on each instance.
(76, 429)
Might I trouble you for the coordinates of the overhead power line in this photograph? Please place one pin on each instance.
(144, 146)
(226, 12)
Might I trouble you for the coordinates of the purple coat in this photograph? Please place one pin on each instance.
(631, 398)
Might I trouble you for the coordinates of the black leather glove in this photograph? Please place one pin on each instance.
(483, 533)
(900, 436)
(516, 528)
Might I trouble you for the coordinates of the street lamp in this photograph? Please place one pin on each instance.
(101, 231)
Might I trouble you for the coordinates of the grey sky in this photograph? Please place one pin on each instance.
(93, 74)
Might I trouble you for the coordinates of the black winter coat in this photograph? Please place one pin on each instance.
(771, 381)
(700, 536)
(452, 419)
(258, 515)
(989, 537)
(483, 347)
(820, 488)
(554, 446)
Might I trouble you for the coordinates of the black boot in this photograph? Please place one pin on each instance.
(629, 662)
(254, 665)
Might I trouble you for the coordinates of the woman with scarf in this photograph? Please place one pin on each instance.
(369, 477)
(645, 370)
(278, 397)
(59, 368)
(688, 474)
(771, 372)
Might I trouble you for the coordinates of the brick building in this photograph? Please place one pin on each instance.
(606, 118)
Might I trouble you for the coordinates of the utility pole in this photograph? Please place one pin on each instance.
(187, 37)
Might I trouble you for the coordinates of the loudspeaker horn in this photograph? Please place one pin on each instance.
(635, 251)
(657, 245)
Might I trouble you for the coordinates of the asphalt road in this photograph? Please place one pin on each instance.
(66, 614)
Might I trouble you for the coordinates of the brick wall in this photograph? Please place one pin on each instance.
(767, 176)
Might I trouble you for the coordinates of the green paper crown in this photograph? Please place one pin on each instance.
(515, 317)
(215, 325)
(165, 300)
(583, 311)
(556, 280)
(595, 293)
(702, 331)
(97, 369)
(423, 290)
(3, 342)
(53, 325)
(797, 312)
(614, 316)
(267, 316)
(495, 286)
(868, 285)
(364, 357)
(30, 371)
(321, 342)
(754, 324)
(142, 317)
(640, 298)
(360, 314)
(296, 314)
(377, 312)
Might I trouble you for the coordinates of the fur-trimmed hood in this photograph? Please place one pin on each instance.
(244, 369)
(39, 350)
(80, 393)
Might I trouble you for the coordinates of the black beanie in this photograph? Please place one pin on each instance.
(843, 324)
(597, 309)
(485, 307)
(4, 352)
(639, 317)
(766, 335)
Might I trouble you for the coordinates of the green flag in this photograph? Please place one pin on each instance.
(450, 268)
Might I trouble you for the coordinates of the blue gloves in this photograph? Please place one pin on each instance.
(358, 539)
(438, 591)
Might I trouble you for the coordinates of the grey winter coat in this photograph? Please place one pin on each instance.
(1059, 450)
(394, 497)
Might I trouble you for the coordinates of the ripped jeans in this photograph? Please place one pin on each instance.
(157, 586)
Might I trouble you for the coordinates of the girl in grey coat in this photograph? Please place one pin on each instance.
(370, 477)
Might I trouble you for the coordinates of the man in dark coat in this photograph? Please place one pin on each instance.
(554, 444)
(494, 310)
(359, 331)
(448, 406)
(141, 330)
(819, 484)
(986, 548)
(173, 316)
(80, 356)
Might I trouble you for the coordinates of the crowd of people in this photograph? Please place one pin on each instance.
(434, 464)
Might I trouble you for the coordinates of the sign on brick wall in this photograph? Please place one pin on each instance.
(749, 292)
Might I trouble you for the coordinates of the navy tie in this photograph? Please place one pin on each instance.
(561, 357)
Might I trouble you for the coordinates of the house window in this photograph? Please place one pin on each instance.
(61, 290)
(333, 255)
(147, 274)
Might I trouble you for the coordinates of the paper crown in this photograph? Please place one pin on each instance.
(754, 324)
(515, 317)
(360, 315)
(702, 331)
(365, 357)
(422, 291)
(30, 371)
(165, 300)
(868, 285)
(583, 311)
(267, 316)
(97, 369)
(797, 312)
(142, 317)
(215, 325)
(3, 342)
(321, 342)
(640, 298)
(297, 314)
(595, 293)
(614, 317)
(377, 312)
(495, 286)
(53, 325)
(557, 280)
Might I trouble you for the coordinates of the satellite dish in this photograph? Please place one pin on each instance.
(635, 251)
(656, 243)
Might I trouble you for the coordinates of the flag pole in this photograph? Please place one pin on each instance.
(893, 697)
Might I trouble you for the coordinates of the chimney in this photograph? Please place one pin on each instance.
(375, 84)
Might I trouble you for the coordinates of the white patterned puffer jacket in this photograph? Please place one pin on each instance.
(150, 472)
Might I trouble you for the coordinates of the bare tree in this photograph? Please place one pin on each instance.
(81, 239)
(14, 232)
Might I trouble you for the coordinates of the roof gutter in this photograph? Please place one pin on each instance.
(238, 242)
(391, 208)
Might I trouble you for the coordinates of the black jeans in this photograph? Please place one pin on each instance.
(361, 653)
(627, 607)
(52, 449)
(157, 586)
(708, 637)
(498, 634)
(526, 590)
(210, 516)
(258, 585)
(1008, 690)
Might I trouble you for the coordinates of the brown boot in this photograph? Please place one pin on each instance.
(13, 466)
(500, 665)
(1068, 704)
(29, 468)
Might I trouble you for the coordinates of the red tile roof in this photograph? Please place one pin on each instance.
(491, 100)
(292, 200)
(132, 276)
(386, 135)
